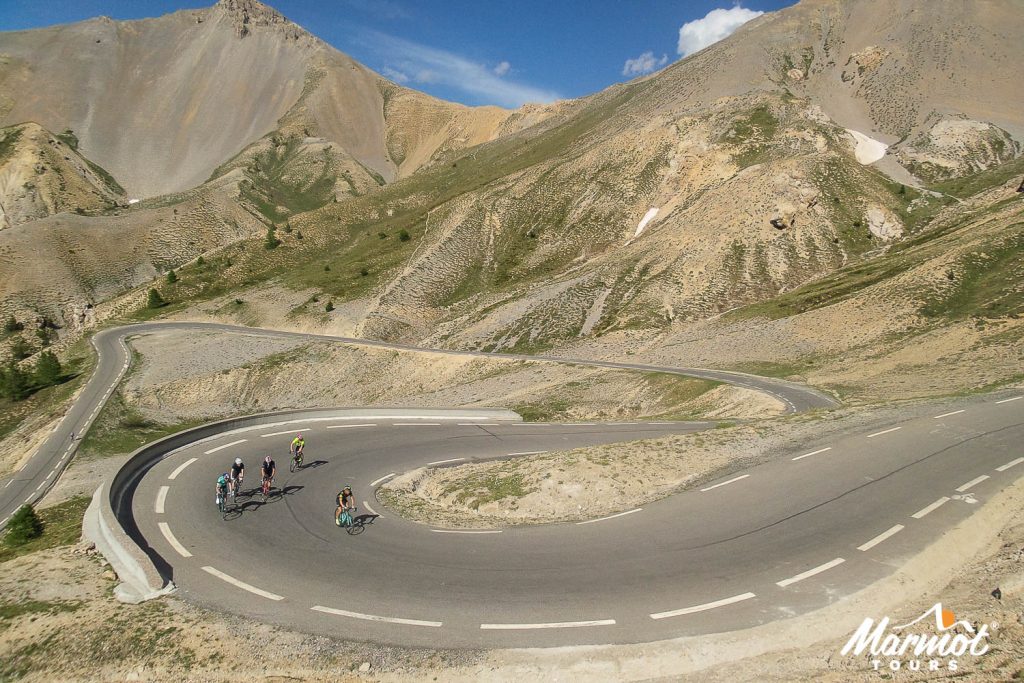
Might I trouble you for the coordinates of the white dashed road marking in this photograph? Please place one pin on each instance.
(810, 572)
(972, 482)
(241, 584)
(297, 430)
(181, 468)
(881, 537)
(706, 606)
(1003, 468)
(374, 617)
(885, 431)
(349, 426)
(178, 547)
(553, 624)
(1007, 400)
(441, 462)
(924, 511)
(384, 478)
(161, 498)
(807, 455)
(734, 479)
(227, 445)
(955, 412)
(601, 519)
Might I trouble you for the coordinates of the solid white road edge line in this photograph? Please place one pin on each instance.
(742, 476)
(161, 498)
(924, 511)
(700, 608)
(601, 519)
(553, 624)
(178, 547)
(1007, 400)
(384, 478)
(241, 584)
(885, 431)
(807, 455)
(181, 468)
(290, 431)
(881, 537)
(349, 426)
(466, 531)
(374, 617)
(955, 412)
(972, 482)
(1003, 468)
(227, 445)
(441, 462)
(528, 453)
(372, 511)
(810, 572)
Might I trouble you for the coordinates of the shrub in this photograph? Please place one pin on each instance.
(21, 349)
(202, 262)
(155, 300)
(382, 235)
(12, 325)
(329, 307)
(45, 335)
(288, 227)
(327, 269)
(404, 235)
(271, 242)
(172, 277)
(48, 370)
(24, 526)
(364, 271)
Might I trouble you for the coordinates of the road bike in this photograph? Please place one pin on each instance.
(265, 488)
(234, 489)
(352, 524)
(222, 505)
(296, 462)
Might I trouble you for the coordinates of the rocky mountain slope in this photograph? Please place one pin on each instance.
(796, 163)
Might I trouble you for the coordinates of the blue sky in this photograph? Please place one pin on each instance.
(474, 51)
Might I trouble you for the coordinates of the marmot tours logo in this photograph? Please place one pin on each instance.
(895, 648)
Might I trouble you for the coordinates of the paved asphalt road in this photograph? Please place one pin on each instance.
(30, 483)
(775, 540)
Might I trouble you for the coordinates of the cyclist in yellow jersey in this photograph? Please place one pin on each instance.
(298, 443)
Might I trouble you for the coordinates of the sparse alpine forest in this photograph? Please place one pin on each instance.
(833, 196)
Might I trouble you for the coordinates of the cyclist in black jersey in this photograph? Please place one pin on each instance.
(237, 475)
(269, 469)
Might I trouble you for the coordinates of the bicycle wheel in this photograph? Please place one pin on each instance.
(355, 528)
(292, 465)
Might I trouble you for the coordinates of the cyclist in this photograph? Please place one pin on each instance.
(269, 471)
(298, 443)
(237, 475)
(346, 501)
(222, 487)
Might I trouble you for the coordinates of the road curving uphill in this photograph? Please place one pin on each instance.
(781, 538)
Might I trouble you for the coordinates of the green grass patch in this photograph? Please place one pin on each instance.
(543, 411)
(119, 429)
(979, 182)
(62, 525)
(477, 490)
(986, 284)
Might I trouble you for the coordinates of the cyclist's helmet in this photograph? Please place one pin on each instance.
(238, 461)
(348, 487)
(298, 436)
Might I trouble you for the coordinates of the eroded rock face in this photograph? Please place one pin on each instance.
(883, 224)
(953, 147)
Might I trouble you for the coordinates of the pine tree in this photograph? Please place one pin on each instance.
(172, 277)
(271, 242)
(48, 370)
(155, 300)
(13, 382)
(24, 526)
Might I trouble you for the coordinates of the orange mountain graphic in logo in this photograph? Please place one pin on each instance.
(944, 619)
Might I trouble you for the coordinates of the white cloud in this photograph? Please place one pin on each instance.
(502, 68)
(395, 75)
(431, 65)
(716, 24)
(644, 64)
